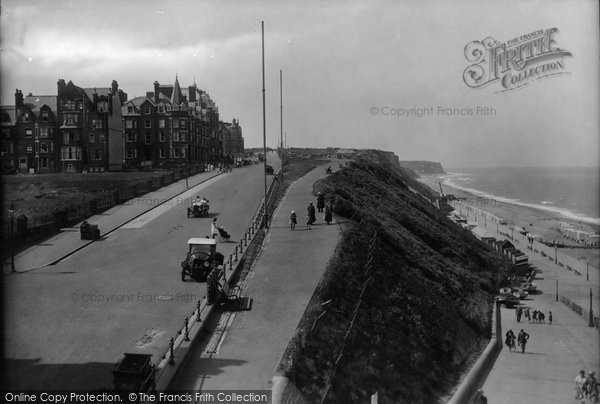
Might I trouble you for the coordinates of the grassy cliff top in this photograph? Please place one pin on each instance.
(405, 301)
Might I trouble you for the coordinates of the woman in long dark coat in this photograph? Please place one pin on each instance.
(328, 212)
(320, 202)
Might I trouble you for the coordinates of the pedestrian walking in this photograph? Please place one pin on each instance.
(591, 388)
(535, 315)
(522, 340)
(510, 340)
(580, 381)
(311, 213)
(328, 212)
(214, 228)
(528, 314)
(519, 313)
(320, 202)
(541, 317)
(550, 318)
(293, 220)
(308, 222)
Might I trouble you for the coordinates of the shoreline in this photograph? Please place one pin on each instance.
(534, 220)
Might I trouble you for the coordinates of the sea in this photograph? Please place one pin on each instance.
(572, 192)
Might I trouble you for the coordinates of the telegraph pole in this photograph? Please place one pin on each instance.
(281, 118)
(262, 24)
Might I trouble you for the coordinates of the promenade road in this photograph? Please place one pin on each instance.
(67, 324)
(555, 352)
(281, 284)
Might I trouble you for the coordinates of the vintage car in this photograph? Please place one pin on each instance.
(89, 231)
(507, 297)
(269, 169)
(202, 257)
(199, 208)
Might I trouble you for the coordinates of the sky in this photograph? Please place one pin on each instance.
(352, 70)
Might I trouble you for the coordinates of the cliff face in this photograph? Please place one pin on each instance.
(402, 291)
(423, 167)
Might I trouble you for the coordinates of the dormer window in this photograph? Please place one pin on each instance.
(168, 107)
(45, 116)
(130, 109)
(161, 108)
(26, 117)
(147, 110)
(103, 106)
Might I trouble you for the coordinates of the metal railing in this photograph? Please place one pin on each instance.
(166, 359)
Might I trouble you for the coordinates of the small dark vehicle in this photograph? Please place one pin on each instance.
(201, 259)
(269, 170)
(133, 373)
(328, 171)
(89, 231)
(199, 208)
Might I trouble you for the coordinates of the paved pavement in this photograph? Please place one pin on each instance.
(555, 352)
(281, 284)
(68, 240)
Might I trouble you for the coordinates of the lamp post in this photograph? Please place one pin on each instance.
(587, 270)
(11, 218)
(591, 319)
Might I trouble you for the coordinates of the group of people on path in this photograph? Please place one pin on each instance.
(535, 316)
(521, 339)
(311, 216)
(587, 388)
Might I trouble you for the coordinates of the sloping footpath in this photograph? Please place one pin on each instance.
(280, 284)
(69, 241)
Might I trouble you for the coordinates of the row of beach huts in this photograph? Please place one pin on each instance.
(519, 259)
(579, 236)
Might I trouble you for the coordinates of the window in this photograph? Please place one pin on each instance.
(129, 153)
(71, 119)
(129, 123)
(161, 136)
(129, 137)
(96, 154)
(97, 124)
(71, 153)
(129, 109)
(182, 123)
(28, 133)
(44, 116)
(183, 152)
(161, 108)
(44, 162)
(161, 153)
(176, 136)
(102, 138)
(176, 152)
(175, 123)
(103, 106)
(147, 110)
(161, 123)
(44, 132)
(26, 117)
(168, 107)
(147, 123)
(182, 136)
(44, 147)
(92, 137)
(148, 138)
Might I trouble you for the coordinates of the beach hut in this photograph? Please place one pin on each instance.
(502, 245)
(593, 239)
(481, 234)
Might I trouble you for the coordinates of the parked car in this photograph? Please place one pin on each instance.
(202, 257)
(269, 169)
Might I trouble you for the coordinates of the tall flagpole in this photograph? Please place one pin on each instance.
(281, 118)
(262, 24)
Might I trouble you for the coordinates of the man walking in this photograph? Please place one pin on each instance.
(522, 340)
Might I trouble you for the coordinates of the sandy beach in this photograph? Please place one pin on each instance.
(535, 221)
